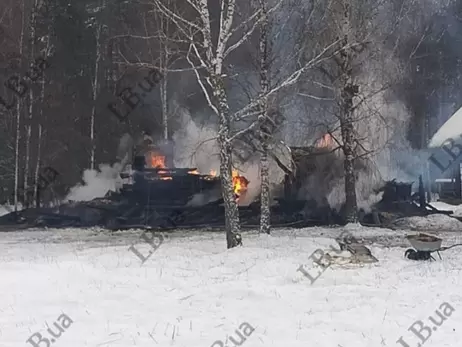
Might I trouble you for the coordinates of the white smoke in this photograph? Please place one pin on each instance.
(380, 125)
(386, 154)
(97, 183)
(251, 170)
(195, 146)
(124, 150)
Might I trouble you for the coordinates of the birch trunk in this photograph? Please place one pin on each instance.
(231, 210)
(39, 143)
(265, 213)
(164, 100)
(39, 158)
(40, 127)
(32, 39)
(18, 120)
(164, 59)
(346, 124)
(211, 54)
(348, 90)
(95, 86)
(265, 210)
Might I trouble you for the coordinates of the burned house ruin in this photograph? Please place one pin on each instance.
(156, 194)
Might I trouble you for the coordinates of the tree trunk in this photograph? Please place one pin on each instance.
(232, 223)
(164, 57)
(265, 210)
(40, 127)
(164, 101)
(347, 130)
(32, 40)
(16, 154)
(18, 121)
(95, 85)
(348, 91)
(37, 165)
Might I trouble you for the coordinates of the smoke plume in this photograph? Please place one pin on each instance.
(96, 183)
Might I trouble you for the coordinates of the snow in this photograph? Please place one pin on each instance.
(437, 222)
(193, 292)
(451, 129)
(5, 210)
(456, 209)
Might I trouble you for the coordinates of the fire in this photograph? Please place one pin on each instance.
(161, 173)
(157, 161)
(240, 183)
(326, 141)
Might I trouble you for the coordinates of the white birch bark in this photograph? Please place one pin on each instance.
(39, 152)
(18, 118)
(30, 110)
(40, 126)
(348, 90)
(95, 89)
(164, 61)
(213, 65)
(164, 101)
(265, 208)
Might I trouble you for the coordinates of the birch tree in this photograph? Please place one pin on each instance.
(346, 91)
(10, 105)
(265, 208)
(209, 47)
(270, 63)
(96, 22)
(31, 100)
(18, 118)
(165, 57)
(46, 52)
(207, 60)
(341, 86)
(351, 82)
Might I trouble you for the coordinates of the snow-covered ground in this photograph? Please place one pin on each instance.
(5, 209)
(456, 209)
(192, 291)
(432, 222)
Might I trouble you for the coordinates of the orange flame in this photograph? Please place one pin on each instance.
(194, 172)
(213, 173)
(157, 161)
(240, 183)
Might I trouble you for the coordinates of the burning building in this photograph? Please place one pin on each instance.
(153, 177)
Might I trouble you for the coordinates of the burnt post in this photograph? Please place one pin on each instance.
(422, 200)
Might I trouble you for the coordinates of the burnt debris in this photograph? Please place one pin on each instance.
(159, 196)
